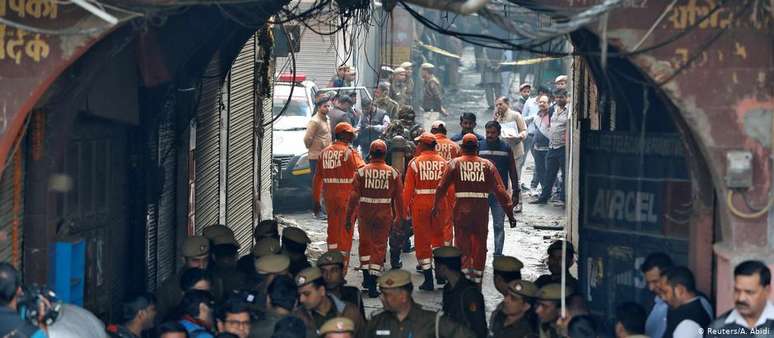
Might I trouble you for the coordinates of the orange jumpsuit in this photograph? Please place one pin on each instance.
(448, 149)
(445, 147)
(473, 179)
(376, 193)
(335, 168)
(422, 177)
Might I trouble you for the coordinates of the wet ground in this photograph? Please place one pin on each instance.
(524, 242)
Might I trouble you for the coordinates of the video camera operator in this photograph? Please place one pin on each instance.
(11, 323)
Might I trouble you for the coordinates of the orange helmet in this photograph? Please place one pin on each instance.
(344, 127)
(426, 138)
(378, 145)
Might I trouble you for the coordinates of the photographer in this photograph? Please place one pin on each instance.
(11, 323)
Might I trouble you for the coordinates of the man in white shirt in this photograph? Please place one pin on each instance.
(652, 268)
(753, 312)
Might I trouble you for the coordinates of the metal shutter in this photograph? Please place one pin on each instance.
(12, 208)
(208, 140)
(241, 145)
(264, 185)
(317, 59)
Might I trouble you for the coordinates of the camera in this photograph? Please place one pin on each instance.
(39, 305)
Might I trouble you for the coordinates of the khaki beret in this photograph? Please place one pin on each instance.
(524, 85)
(223, 239)
(330, 258)
(196, 246)
(399, 70)
(337, 325)
(561, 78)
(522, 288)
(427, 66)
(272, 264)
(266, 228)
(507, 264)
(394, 279)
(265, 247)
(552, 292)
(307, 276)
(216, 230)
(296, 235)
(406, 65)
(447, 252)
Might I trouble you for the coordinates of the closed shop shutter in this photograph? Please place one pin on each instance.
(317, 58)
(208, 143)
(12, 208)
(241, 145)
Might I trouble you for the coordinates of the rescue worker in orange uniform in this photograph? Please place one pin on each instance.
(447, 149)
(333, 177)
(473, 179)
(422, 177)
(376, 194)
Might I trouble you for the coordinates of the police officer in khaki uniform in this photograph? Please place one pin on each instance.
(331, 265)
(432, 96)
(403, 318)
(548, 303)
(225, 273)
(462, 300)
(512, 317)
(506, 269)
(338, 327)
(196, 253)
(318, 306)
(266, 228)
(294, 243)
(383, 101)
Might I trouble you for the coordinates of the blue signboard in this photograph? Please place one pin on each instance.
(635, 200)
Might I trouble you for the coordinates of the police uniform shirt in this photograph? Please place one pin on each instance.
(519, 329)
(419, 323)
(465, 304)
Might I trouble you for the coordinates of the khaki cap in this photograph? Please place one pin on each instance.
(296, 235)
(337, 325)
(307, 276)
(427, 66)
(272, 264)
(223, 239)
(266, 228)
(552, 292)
(399, 70)
(330, 258)
(394, 279)
(507, 264)
(522, 288)
(195, 246)
(216, 230)
(406, 65)
(561, 78)
(447, 252)
(265, 247)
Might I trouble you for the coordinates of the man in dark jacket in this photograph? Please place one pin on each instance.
(372, 124)
(753, 312)
(462, 299)
(686, 317)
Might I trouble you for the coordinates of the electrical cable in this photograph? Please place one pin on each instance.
(292, 85)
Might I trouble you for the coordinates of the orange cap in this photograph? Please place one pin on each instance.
(378, 145)
(344, 127)
(425, 138)
(470, 138)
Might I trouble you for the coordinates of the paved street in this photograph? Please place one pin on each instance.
(523, 242)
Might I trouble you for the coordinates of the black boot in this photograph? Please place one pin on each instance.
(439, 280)
(364, 284)
(370, 282)
(427, 285)
(395, 259)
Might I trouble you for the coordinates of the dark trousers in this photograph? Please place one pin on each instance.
(554, 163)
(540, 166)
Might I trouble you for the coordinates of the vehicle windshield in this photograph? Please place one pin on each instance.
(296, 107)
